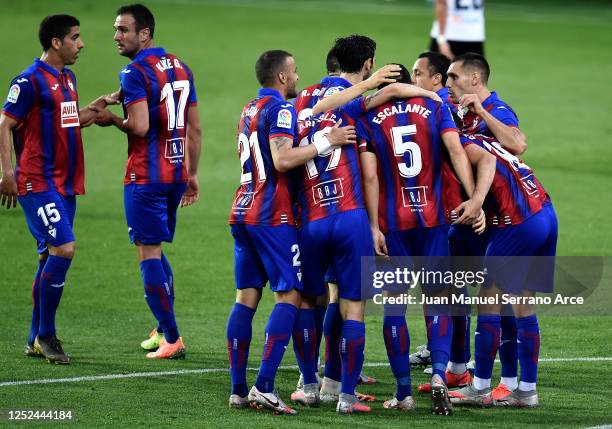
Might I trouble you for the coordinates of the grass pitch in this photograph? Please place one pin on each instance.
(550, 61)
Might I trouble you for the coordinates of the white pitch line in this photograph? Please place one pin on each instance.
(213, 370)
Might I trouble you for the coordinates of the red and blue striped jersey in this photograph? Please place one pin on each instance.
(406, 137)
(453, 192)
(47, 138)
(263, 197)
(166, 84)
(308, 97)
(515, 193)
(331, 182)
(474, 124)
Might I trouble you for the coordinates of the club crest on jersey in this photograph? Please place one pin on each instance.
(69, 114)
(13, 94)
(70, 85)
(284, 119)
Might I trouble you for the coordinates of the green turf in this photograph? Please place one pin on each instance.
(550, 61)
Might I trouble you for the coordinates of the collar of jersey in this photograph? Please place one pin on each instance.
(490, 99)
(338, 81)
(265, 92)
(443, 93)
(43, 65)
(155, 51)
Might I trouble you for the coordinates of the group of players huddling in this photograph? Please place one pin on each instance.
(326, 180)
(419, 170)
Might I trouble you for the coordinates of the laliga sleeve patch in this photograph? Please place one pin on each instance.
(331, 91)
(284, 119)
(13, 94)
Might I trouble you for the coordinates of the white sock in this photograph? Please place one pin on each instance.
(510, 382)
(456, 368)
(482, 383)
(526, 387)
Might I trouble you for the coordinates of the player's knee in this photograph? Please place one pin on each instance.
(308, 302)
(352, 310)
(249, 297)
(65, 250)
(333, 292)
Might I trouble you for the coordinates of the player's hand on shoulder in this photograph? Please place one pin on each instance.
(192, 193)
(8, 190)
(339, 136)
(472, 102)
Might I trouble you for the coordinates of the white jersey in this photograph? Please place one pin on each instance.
(464, 21)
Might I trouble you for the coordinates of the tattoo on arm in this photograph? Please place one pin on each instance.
(282, 142)
(368, 100)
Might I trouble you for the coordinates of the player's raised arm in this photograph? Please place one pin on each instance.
(286, 157)
(89, 113)
(8, 184)
(194, 145)
(510, 137)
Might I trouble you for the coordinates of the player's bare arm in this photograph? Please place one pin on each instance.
(510, 138)
(386, 74)
(369, 174)
(136, 123)
(194, 145)
(89, 113)
(469, 210)
(441, 15)
(391, 92)
(8, 184)
(286, 157)
(485, 164)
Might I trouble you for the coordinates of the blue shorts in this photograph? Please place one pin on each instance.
(463, 241)
(150, 211)
(330, 275)
(338, 241)
(422, 248)
(522, 257)
(50, 217)
(266, 253)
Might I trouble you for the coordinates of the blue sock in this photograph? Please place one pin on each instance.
(332, 328)
(508, 347)
(460, 345)
(51, 286)
(319, 315)
(440, 334)
(486, 342)
(157, 294)
(397, 343)
(304, 344)
(239, 332)
(277, 334)
(528, 333)
(170, 276)
(352, 344)
(36, 302)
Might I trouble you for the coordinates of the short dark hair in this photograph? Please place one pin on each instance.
(269, 64)
(438, 63)
(55, 26)
(331, 62)
(477, 61)
(353, 51)
(404, 76)
(142, 16)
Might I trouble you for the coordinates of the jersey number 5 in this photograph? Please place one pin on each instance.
(176, 114)
(401, 147)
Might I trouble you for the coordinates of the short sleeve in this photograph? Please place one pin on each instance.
(20, 99)
(446, 120)
(133, 85)
(354, 108)
(505, 115)
(193, 98)
(364, 138)
(282, 120)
